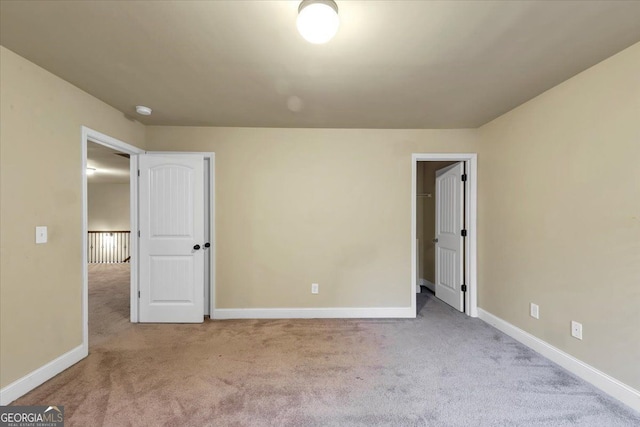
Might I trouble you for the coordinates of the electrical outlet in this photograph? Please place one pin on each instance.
(314, 288)
(535, 311)
(576, 329)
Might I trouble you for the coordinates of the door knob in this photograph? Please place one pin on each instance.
(206, 245)
(435, 240)
(196, 247)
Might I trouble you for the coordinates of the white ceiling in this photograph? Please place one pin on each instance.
(393, 64)
(111, 168)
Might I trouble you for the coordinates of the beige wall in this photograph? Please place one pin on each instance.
(426, 217)
(108, 207)
(296, 206)
(559, 219)
(40, 184)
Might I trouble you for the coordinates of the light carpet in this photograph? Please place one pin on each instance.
(440, 369)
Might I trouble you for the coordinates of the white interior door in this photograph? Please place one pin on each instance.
(449, 240)
(171, 189)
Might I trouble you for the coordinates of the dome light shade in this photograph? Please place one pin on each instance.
(318, 20)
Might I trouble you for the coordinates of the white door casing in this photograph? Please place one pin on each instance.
(449, 243)
(171, 228)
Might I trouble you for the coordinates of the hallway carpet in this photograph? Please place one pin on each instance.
(441, 369)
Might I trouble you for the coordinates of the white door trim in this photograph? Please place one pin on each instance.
(471, 212)
(211, 281)
(90, 135)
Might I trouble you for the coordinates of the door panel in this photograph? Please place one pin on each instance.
(171, 276)
(449, 244)
(171, 225)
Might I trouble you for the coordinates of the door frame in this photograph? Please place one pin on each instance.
(210, 275)
(471, 214)
(90, 135)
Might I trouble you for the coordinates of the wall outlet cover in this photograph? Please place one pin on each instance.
(576, 329)
(314, 288)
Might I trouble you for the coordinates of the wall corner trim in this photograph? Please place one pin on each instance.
(616, 389)
(23, 385)
(313, 313)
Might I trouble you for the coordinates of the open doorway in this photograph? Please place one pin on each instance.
(108, 240)
(104, 147)
(207, 240)
(444, 204)
(426, 222)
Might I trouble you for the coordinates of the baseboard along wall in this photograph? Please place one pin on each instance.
(32, 380)
(313, 313)
(427, 284)
(617, 389)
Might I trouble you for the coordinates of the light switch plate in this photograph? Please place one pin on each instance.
(41, 234)
(535, 311)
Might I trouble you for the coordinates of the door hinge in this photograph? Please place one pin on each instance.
(139, 293)
(464, 288)
(138, 233)
(138, 172)
(464, 233)
(464, 177)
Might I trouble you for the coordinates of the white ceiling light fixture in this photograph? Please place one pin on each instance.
(91, 171)
(142, 110)
(318, 20)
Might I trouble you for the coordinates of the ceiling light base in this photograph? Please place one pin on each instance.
(331, 3)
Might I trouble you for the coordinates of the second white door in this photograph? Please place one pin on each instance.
(172, 253)
(449, 240)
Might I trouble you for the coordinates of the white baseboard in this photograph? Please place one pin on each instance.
(624, 393)
(32, 380)
(428, 284)
(313, 313)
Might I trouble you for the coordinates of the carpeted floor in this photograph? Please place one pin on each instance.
(441, 369)
(108, 301)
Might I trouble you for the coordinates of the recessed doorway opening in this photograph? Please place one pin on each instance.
(108, 240)
(99, 158)
(443, 228)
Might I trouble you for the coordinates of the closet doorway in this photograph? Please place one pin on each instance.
(444, 203)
